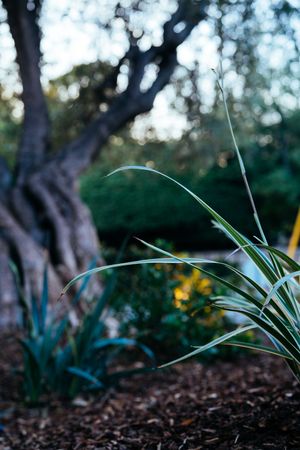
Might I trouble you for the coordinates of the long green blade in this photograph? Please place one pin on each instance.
(283, 337)
(257, 347)
(277, 286)
(211, 344)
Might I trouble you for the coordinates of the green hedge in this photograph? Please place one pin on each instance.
(146, 205)
(149, 206)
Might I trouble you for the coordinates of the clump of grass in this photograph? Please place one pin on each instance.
(61, 359)
(275, 311)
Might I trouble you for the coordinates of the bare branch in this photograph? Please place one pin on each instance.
(23, 22)
(79, 154)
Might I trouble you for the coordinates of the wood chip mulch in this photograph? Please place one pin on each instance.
(251, 403)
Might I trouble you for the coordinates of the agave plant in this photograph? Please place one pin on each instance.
(58, 358)
(275, 311)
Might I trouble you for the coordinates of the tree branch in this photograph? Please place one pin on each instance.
(23, 22)
(79, 154)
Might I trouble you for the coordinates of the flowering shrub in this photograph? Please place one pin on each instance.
(168, 307)
(187, 286)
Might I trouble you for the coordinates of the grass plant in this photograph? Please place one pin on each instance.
(274, 310)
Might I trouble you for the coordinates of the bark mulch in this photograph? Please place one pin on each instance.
(251, 403)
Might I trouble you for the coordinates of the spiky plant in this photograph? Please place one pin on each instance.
(275, 311)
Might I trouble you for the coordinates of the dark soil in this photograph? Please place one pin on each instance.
(251, 403)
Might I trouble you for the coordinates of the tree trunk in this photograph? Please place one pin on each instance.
(42, 220)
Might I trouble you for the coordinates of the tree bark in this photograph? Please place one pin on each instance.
(23, 22)
(42, 219)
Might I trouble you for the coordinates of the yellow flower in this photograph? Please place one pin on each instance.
(180, 294)
(203, 286)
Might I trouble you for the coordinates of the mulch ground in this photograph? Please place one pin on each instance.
(251, 403)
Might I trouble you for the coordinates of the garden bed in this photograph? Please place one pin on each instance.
(250, 403)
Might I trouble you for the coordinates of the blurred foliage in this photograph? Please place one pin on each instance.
(168, 307)
(65, 355)
(263, 102)
(149, 206)
(202, 159)
(275, 171)
(76, 98)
